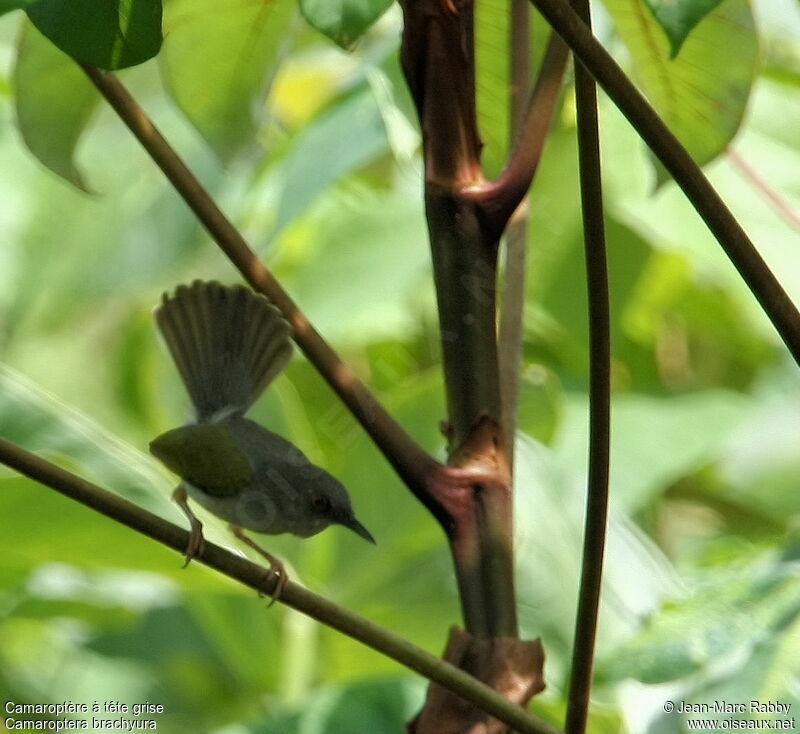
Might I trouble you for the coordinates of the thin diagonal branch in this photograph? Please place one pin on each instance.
(599, 394)
(687, 174)
(293, 595)
(409, 459)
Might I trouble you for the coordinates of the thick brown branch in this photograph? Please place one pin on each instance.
(408, 458)
(687, 174)
(512, 667)
(293, 595)
(436, 55)
(438, 61)
(465, 263)
(465, 271)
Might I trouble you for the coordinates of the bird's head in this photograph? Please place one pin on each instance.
(327, 502)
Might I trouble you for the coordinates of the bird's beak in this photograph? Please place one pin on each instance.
(357, 527)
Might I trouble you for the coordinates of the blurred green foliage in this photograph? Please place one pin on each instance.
(701, 598)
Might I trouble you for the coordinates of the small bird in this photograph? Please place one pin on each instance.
(228, 343)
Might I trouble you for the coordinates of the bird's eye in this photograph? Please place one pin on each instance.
(320, 503)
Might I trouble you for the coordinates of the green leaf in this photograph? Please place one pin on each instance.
(378, 237)
(48, 526)
(656, 441)
(540, 400)
(729, 609)
(347, 135)
(34, 418)
(377, 706)
(343, 21)
(493, 77)
(702, 93)
(548, 530)
(219, 64)
(111, 35)
(760, 465)
(54, 101)
(678, 17)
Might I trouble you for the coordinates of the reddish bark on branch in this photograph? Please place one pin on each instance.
(510, 666)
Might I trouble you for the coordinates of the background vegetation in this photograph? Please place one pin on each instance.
(701, 598)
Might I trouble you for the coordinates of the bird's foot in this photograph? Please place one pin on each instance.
(276, 568)
(196, 541)
(278, 571)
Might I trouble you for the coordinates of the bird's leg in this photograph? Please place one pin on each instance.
(275, 565)
(195, 544)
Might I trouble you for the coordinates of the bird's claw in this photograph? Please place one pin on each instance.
(276, 567)
(278, 571)
(196, 542)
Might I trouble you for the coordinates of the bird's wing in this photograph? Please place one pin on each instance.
(205, 455)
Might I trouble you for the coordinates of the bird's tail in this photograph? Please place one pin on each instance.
(227, 342)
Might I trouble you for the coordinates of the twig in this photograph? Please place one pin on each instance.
(293, 595)
(687, 174)
(783, 207)
(510, 331)
(599, 394)
(409, 459)
(500, 197)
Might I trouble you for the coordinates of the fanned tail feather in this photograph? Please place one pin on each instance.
(227, 342)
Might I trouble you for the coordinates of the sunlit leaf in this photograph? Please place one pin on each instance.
(219, 64)
(343, 21)
(108, 35)
(702, 93)
(55, 102)
(760, 464)
(348, 134)
(365, 234)
(493, 77)
(539, 407)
